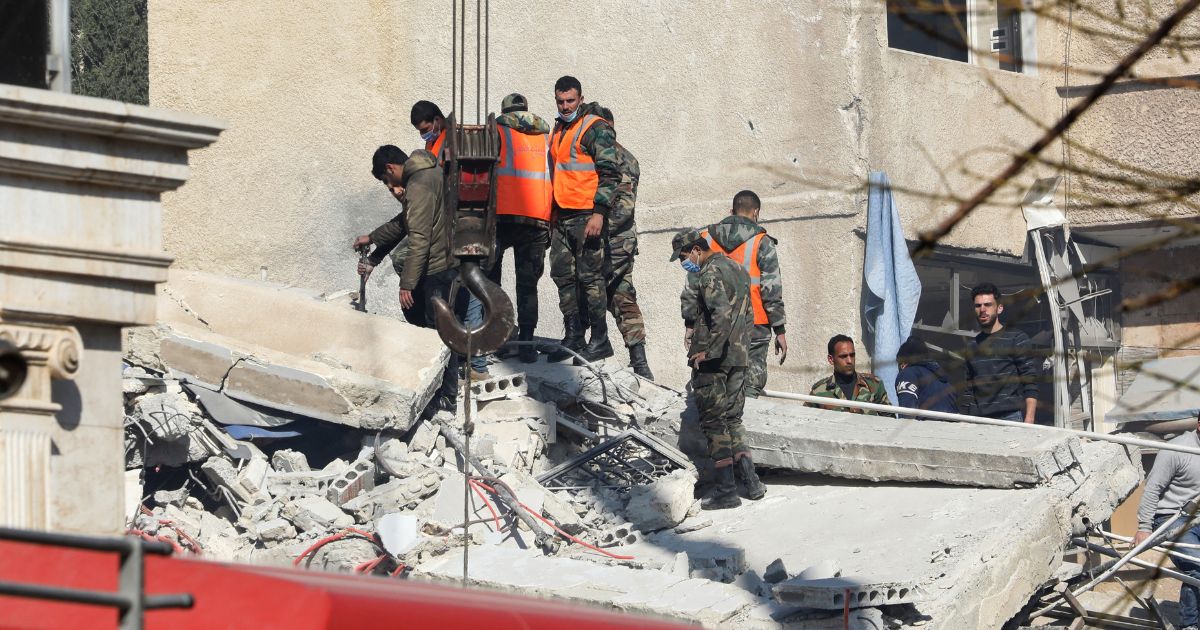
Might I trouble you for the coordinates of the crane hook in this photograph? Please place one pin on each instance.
(497, 320)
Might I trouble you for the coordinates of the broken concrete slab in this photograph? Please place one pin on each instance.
(554, 507)
(786, 434)
(316, 514)
(838, 593)
(662, 503)
(500, 386)
(287, 460)
(629, 590)
(980, 554)
(223, 334)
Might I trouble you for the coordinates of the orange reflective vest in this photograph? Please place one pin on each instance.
(435, 147)
(747, 257)
(575, 177)
(522, 176)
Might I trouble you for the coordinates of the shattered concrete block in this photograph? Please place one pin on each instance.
(253, 476)
(317, 514)
(275, 530)
(287, 460)
(424, 438)
(775, 572)
(754, 584)
(283, 485)
(171, 497)
(503, 386)
(343, 555)
(830, 593)
(167, 416)
(358, 478)
(221, 472)
(661, 504)
(551, 504)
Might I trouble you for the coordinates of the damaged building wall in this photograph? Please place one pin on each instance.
(1169, 329)
(794, 100)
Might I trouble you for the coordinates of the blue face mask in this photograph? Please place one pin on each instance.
(689, 266)
(430, 137)
(569, 118)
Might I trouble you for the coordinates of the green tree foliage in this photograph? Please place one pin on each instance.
(110, 56)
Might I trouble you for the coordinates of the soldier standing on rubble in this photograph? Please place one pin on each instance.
(522, 209)
(747, 243)
(846, 383)
(622, 248)
(585, 176)
(429, 269)
(718, 356)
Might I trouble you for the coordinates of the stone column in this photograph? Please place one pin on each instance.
(80, 256)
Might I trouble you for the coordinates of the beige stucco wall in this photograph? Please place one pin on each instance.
(796, 100)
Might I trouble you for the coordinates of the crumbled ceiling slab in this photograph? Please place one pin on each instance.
(787, 435)
(253, 342)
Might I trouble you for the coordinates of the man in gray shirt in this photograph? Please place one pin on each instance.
(1174, 479)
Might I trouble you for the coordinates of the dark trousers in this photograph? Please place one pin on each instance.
(529, 244)
(438, 285)
(719, 393)
(416, 314)
(577, 267)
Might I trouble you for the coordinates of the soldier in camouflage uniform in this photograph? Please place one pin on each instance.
(736, 235)
(718, 356)
(622, 248)
(846, 383)
(580, 231)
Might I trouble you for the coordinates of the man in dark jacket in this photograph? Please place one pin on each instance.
(921, 383)
(1001, 375)
(429, 268)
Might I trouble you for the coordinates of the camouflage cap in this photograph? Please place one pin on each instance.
(513, 103)
(684, 238)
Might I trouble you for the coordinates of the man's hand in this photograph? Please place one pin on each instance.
(406, 299)
(687, 338)
(365, 269)
(361, 242)
(781, 347)
(594, 225)
(698, 358)
(1030, 410)
(1140, 537)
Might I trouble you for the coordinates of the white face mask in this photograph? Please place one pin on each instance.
(569, 118)
(429, 137)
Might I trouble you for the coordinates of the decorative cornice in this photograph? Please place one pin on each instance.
(53, 259)
(102, 117)
(52, 352)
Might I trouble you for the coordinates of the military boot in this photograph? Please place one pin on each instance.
(637, 361)
(599, 347)
(744, 468)
(527, 352)
(724, 496)
(572, 338)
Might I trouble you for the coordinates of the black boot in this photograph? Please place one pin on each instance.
(755, 489)
(637, 361)
(599, 347)
(527, 352)
(572, 338)
(724, 496)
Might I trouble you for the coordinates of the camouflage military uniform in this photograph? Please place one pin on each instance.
(868, 388)
(622, 248)
(729, 234)
(722, 331)
(576, 261)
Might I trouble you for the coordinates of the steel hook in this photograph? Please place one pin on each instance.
(497, 321)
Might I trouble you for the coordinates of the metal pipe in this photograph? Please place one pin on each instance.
(1182, 577)
(72, 595)
(958, 417)
(1162, 547)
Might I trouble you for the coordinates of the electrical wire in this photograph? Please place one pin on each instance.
(556, 528)
(495, 515)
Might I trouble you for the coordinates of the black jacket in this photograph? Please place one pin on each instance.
(925, 386)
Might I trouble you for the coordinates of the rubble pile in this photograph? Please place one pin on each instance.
(233, 480)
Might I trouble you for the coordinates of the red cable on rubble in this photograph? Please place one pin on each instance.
(547, 521)
(328, 539)
(495, 516)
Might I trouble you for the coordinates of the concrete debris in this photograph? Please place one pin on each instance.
(662, 503)
(836, 593)
(287, 460)
(503, 386)
(788, 435)
(775, 572)
(939, 553)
